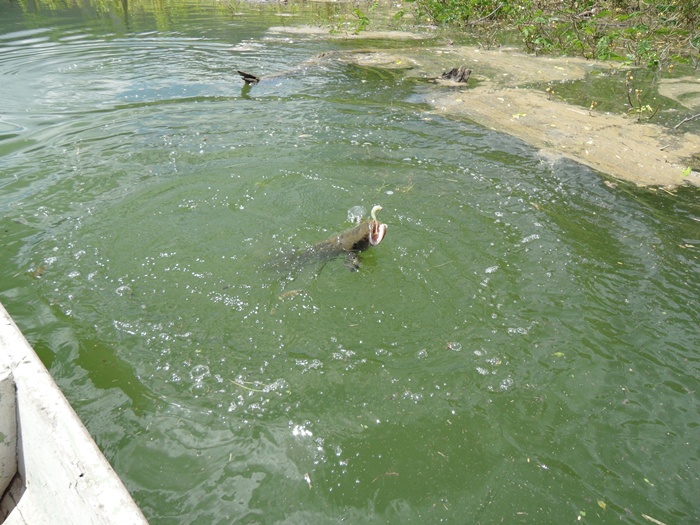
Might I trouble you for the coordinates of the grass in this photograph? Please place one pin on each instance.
(651, 33)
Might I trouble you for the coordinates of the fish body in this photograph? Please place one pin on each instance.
(349, 243)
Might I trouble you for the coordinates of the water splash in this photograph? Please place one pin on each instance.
(356, 213)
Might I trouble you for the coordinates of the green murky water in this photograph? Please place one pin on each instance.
(523, 347)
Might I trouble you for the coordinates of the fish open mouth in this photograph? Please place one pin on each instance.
(377, 230)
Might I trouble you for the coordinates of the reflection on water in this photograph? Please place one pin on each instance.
(521, 346)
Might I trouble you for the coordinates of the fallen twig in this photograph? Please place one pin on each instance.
(489, 15)
(653, 520)
(387, 473)
(240, 385)
(686, 120)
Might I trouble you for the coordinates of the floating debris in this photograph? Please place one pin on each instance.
(460, 74)
(249, 79)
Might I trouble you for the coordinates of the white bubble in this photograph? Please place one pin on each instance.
(506, 383)
(301, 431)
(123, 290)
(199, 372)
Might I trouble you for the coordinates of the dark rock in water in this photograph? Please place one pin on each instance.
(460, 74)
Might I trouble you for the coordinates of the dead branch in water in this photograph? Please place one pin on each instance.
(686, 120)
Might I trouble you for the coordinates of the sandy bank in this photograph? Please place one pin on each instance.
(500, 96)
(617, 145)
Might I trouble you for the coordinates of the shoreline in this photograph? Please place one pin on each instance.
(499, 97)
(644, 154)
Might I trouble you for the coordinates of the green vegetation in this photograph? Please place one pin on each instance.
(358, 20)
(640, 32)
(637, 106)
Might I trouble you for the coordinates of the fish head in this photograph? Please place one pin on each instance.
(377, 230)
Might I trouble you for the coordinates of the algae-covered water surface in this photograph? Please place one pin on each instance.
(522, 346)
